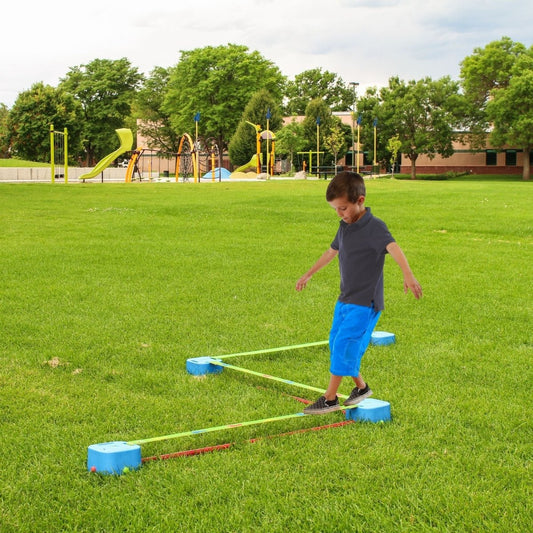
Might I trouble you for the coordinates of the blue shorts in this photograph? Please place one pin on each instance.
(349, 337)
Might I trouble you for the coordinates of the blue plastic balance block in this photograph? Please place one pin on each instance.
(371, 410)
(113, 457)
(382, 338)
(198, 366)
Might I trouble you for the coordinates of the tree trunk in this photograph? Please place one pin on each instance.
(90, 156)
(526, 172)
(413, 169)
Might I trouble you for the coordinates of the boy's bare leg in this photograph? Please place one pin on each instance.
(359, 393)
(359, 382)
(333, 387)
(335, 382)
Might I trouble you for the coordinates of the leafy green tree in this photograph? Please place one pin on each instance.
(29, 120)
(218, 82)
(335, 141)
(156, 125)
(369, 110)
(4, 136)
(317, 84)
(290, 140)
(393, 146)
(511, 111)
(489, 68)
(106, 90)
(422, 113)
(318, 110)
(497, 86)
(243, 143)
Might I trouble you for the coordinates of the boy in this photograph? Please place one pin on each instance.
(361, 243)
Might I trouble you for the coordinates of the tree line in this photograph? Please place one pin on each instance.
(227, 87)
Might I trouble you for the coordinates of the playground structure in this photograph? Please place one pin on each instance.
(201, 159)
(194, 160)
(122, 456)
(256, 162)
(126, 142)
(58, 154)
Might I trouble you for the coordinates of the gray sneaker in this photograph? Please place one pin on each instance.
(358, 395)
(322, 406)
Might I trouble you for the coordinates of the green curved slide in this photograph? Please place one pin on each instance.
(126, 142)
(251, 165)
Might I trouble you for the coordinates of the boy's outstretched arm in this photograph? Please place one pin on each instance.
(325, 258)
(409, 281)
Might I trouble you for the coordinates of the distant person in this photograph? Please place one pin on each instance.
(361, 243)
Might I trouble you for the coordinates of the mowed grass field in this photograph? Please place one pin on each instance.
(107, 290)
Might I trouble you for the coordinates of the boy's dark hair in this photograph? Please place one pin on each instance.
(348, 184)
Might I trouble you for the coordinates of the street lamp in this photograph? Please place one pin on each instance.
(353, 85)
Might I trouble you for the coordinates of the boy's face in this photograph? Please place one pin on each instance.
(349, 212)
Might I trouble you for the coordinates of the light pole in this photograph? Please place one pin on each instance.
(353, 85)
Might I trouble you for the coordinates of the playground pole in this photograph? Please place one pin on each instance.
(317, 145)
(375, 144)
(258, 148)
(268, 152)
(196, 163)
(65, 133)
(268, 115)
(197, 169)
(358, 136)
(52, 154)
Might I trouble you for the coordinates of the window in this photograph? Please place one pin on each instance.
(510, 158)
(490, 157)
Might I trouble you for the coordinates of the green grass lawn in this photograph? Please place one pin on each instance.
(107, 290)
(13, 162)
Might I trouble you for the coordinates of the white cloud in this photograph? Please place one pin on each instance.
(361, 40)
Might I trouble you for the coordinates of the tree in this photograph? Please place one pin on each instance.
(511, 112)
(4, 136)
(335, 142)
(106, 90)
(369, 109)
(317, 110)
(243, 143)
(393, 146)
(290, 140)
(317, 84)
(489, 68)
(497, 83)
(156, 124)
(422, 113)
(29, 120)
(218, 82)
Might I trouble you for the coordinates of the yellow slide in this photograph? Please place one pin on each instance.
(126, 142)
(251, 166)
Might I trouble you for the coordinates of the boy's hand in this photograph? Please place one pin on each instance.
(411, 284)
(302, 282)
(409, 281)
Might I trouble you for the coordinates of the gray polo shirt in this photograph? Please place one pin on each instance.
(362, 248)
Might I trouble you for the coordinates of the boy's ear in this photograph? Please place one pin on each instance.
(361, 200)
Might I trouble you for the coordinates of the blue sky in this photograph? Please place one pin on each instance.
(366, 41)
